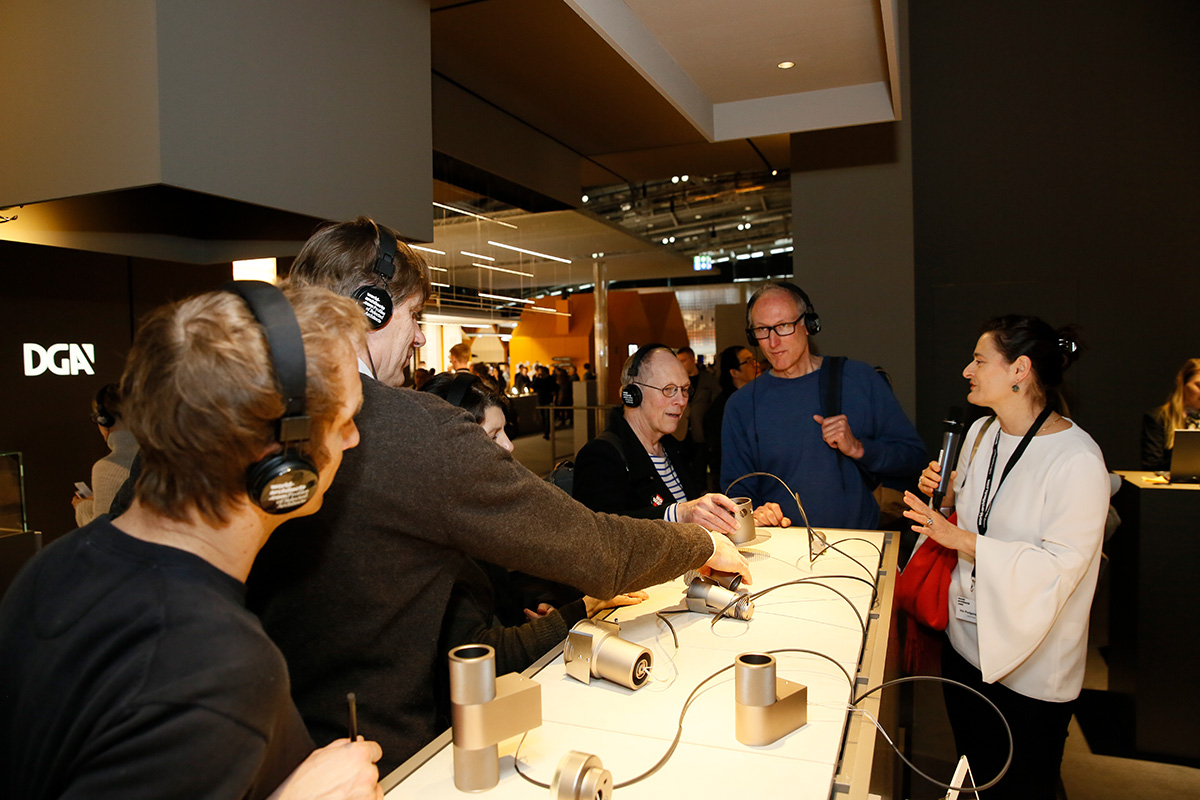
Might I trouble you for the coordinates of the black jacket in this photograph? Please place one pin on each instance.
(627, 484)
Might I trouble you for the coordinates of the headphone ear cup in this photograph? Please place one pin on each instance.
(281, 482)
(812, 323)
(750, 340)
(376, 304)
(631, 395)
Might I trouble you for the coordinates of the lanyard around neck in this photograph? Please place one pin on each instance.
(985, 504)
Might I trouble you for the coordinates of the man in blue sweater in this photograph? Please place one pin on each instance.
(781, 423)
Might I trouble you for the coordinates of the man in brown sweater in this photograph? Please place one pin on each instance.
(354, 596)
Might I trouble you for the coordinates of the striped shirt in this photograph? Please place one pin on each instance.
(674, 486)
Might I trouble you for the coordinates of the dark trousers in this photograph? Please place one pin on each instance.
(1039, 730)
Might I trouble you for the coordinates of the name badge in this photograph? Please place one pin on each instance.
(964, 609)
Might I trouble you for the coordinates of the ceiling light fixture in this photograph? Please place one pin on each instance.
(437, 269)
(505, 298)
(476, 255)
(584, 198)
(530, 252)
(443, 285)
(786, 64)
(502, 269)
(427, 249)
(548, 311)
(476, 216)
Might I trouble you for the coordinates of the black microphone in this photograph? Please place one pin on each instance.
(952, 436)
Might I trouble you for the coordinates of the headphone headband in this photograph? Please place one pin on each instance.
(285, 347)
(285, 480)
(385, 258)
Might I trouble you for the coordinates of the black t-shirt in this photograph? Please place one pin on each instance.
(130, 669)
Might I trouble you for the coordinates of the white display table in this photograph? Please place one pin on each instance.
(630, 730)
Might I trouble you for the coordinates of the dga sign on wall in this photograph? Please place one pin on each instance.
(59, 359)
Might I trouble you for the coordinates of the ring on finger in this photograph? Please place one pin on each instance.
(929, 522)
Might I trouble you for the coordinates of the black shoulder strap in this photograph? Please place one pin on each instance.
(829, 379)
(615, 441)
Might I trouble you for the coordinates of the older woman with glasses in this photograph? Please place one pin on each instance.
(633, 467)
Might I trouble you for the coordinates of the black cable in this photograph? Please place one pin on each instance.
(812, 580)
(660, 615)
(682, 713)
(912, 766)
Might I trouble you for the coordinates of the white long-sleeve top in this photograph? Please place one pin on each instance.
(1035, 570)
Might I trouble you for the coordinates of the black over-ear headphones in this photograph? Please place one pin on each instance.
(812, 322)
(462, 383)
(100, 413)
(285, 480)
(376, 302)
(631, 393)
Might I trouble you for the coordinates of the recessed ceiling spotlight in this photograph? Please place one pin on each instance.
(674, 179)
(585, 198)
(665, 241)
(684, 178)
(786, 64)
(774, 172)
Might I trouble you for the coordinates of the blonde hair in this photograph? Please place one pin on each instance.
(202, 400)
(1172, 414)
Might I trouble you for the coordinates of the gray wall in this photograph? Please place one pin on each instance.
(1056, 169)
(317, 108)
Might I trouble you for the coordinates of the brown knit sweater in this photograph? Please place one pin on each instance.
(355, 595)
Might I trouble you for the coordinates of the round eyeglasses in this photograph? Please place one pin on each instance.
(669, 390)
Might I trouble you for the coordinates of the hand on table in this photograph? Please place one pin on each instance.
(770, 515)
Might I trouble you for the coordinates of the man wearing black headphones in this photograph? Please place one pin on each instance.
(355, 595)
(830, 428)
(132, 666)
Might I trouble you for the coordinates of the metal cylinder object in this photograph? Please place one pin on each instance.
(766, 707)
(754, 679)
(745, 520)
(472, 683)
(581, 776)
(706, 596)
(594, 649)
(485, 711)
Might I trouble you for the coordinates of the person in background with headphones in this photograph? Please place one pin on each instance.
(134, 668)
(485, 607)
(828, 427)
(355, 595)
(111, 471)
(634, 468)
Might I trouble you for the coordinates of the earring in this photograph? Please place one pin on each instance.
(1016, 388)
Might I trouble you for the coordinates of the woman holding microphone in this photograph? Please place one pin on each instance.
(1031, 493)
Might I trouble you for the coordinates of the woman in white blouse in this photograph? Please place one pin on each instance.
(1031, 492)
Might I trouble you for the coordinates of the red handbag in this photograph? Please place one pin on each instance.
(923, 588)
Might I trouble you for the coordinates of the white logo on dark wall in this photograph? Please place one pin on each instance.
(59, 359)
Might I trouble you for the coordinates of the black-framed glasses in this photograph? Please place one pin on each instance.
(782, 329)
(750, 360)
(669, 390)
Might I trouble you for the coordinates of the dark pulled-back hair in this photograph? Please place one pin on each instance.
(479, 397)
(729, 361)
(1049, 350)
